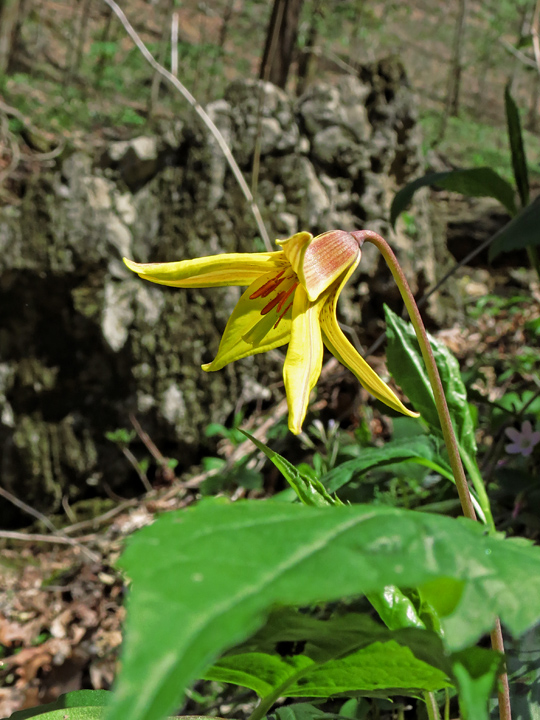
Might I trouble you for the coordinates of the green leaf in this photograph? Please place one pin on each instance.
(473, 182)
(407, 367)
(395, 608)
(78, 705)
(309, 491)
(381, 669)
(475, 670)
(522, 231)
(204, 578)
(299, 711)
(301, 656)
(517, 148)
(394, 451)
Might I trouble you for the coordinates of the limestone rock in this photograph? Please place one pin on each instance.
(84, 343)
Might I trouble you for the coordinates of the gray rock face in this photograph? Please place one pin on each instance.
(83, 342)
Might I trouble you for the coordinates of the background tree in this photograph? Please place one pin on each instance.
(9, 13)
(280, 41)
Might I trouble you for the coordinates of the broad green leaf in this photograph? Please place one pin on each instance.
(394, 451)
(287, 630)
(77, 713)
(407, 367)
(522, 231)
(474, 182)
(204, 578)
(475, 670)
(308, 490)
(382, 669)
(300, 711)
(517, 148)
(300, 656)
(78, 705)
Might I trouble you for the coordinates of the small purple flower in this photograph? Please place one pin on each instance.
(522, 442)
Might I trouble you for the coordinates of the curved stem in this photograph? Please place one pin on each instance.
(431, 367)
(452, 445)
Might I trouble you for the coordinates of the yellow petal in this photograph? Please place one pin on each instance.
(212, 271)
(341, 348)
(294, 249)
(320, 262)
(248, 332)
(304, 357)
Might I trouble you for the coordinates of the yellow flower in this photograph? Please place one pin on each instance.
(291, 298)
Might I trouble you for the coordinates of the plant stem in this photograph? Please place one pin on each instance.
(503, 693)
(431, 367)
(446, 426)
(478, 483)
(432, 708)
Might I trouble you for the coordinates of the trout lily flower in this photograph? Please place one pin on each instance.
(291, 299)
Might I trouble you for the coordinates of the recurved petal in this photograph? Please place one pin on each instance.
(304, 357)
(211, 271)
(248, 332)
(341, 348)
(321, 261)
(295, 247)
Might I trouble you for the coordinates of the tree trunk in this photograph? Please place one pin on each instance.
(457, 61)
(451, 106)
(164, 42)
(306, 62)
(9, 11)
(280, 41)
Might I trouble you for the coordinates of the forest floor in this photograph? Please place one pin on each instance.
(61, 609)
(61, 612)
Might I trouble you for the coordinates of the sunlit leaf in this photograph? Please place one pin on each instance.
(78, 705)
(308, 490)
(394, 451)
(301, 656)
(203, 580)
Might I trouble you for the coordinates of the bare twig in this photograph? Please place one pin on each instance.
(94, 523)
(201, 113)
(525, 59)
(174, 44)
(28, 509)
(57, 535)
(54, 539)
(130, 457)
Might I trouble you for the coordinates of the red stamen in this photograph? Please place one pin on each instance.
(285, 296)
(280, 318)
(272, 304)
(268, 286)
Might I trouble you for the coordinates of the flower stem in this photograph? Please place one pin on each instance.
(452, 445)
(431, 368)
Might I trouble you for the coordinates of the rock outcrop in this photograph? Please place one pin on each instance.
(83, 342)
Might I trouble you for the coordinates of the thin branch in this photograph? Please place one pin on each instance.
(54, 539)
(201, 113)
(174, 44)
(529, 62)
(57, 535)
